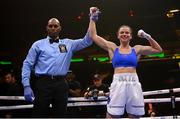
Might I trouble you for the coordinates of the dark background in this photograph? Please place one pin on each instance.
(24, 21)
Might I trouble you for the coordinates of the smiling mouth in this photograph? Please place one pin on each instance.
(124, 37)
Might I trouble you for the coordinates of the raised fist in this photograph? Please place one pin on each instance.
(143, 34)
(93, 10)
(94, 13)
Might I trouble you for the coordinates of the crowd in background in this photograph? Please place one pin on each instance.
(10, 85)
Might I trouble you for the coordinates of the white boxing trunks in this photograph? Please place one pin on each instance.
(125, 93)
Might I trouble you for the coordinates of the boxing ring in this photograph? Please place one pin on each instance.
(102, 100)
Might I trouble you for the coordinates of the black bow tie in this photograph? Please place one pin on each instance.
(53, 40)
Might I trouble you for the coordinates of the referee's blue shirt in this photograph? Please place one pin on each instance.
(46, 59)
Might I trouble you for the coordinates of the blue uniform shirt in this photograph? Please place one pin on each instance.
(51, 59)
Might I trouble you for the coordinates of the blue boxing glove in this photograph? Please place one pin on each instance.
(28, 94)
(94, 13)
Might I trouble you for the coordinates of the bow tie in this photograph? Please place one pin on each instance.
(53, 40)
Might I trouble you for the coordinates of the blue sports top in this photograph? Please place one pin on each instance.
(124, 60)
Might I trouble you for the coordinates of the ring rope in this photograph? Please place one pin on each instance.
(156, 92)
(94, 103)
(102, 100)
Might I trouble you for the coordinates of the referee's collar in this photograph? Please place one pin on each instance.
(52, 40)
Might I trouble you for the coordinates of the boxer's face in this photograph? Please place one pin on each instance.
(124, 34)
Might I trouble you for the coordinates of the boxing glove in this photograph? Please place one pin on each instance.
(143, 34)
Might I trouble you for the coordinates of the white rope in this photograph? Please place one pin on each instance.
(16, 107)
(156, 92)
(74, 104)
(159, 100)
(99, 103)
(12, 98)
(100, 98)
(70, 99)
